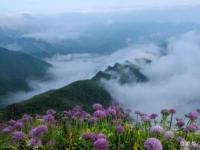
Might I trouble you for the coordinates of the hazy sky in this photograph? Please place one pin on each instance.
(62, 6)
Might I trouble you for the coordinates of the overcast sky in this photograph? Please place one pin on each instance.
(63, 6)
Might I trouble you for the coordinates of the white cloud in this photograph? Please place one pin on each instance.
(174, 79)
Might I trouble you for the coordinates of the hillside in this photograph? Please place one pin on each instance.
(83, 93)
(16, 68)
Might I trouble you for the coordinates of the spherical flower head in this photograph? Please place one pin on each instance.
(101, 144)
(11, 122)
(49, 118)
(26, 118)
(195, 146)
(111, 111)
(50, 112)
(193, 115)
(152, 144)
(99, 114)
(77, 108)
(137, 112)
(169, 135)
(180, 123)
(17, 136)
(120, 129)
(97, 106)
(38, 131)
(156, 129)
(93, 120)
(198, 110)
(165, 112)
(6, 130)
(18, 125)
(153, 116)
(146, 118)
(192, 128)
(89, 136)
(172, 111)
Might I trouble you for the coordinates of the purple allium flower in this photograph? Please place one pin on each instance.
(7, 130)
(101, 144)
(93, 120)
(180, 123)
(18, 125)
(89, 136)
(169, 135)
(165, 112)
(153, 116)
(38, 131)
(86, 136)
(11, 122)
(111, 111)
(100, 135)
(192, 128)
(17, 136)
(51, 112)
(195, 146)
(26, 118)
(198, 110)
(193, 115)
(97, 106)
(152, 144)
(146, 118)
(120, 129)
(49, 118)
(99, 114)
(172, 111)
(156, 129)
(35, 142)
(77, 108)
(137, 112)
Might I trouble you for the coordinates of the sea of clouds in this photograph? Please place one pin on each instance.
(174, 77)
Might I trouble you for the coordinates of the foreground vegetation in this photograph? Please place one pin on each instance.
(104, 129)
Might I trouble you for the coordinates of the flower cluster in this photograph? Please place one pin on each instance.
(102, 129)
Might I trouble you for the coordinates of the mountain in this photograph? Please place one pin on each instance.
(125, 73)
(16, 68)
(83, 92)
(102, 38)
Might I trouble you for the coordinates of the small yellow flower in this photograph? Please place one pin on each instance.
(88, 131)
(135, 147)
(127, 126)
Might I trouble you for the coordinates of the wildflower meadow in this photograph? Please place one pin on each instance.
(112, 128)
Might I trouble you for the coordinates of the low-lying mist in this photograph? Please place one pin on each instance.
(73, 67)
(174, 77)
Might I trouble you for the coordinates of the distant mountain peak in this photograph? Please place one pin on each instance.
(124, 73)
